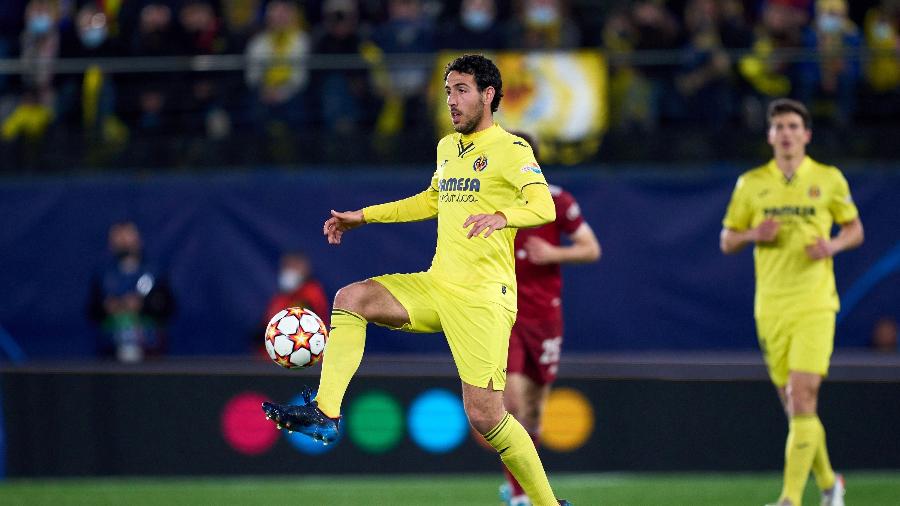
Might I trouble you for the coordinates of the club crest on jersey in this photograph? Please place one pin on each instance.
(814, 192)
(532, 167)
(480, 163)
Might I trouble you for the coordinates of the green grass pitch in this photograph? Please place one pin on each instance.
(864, 488)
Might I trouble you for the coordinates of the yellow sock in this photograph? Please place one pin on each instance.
(343, 353)
(821, 465)
(802, 441)
(517, 452)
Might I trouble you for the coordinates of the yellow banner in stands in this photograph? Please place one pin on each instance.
(558, 97)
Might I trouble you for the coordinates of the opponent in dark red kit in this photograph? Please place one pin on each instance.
(536, 340)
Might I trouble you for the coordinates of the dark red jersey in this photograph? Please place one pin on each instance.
(540, 286)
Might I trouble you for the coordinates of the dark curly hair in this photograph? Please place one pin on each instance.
(485, 73)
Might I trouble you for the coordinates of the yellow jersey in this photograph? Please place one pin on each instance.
(807, 205)
(480, 173)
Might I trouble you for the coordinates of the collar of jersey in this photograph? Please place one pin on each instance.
(801, 169)
(481, 134)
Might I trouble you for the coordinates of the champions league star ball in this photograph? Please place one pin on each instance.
(295, 338)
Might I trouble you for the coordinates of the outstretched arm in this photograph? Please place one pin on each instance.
(421, 206)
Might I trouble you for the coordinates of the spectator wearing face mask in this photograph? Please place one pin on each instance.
(476, 27)
(129, 299)
(830, 81)
(296, 288)
(882, 33)
(40, 47)
(543, 24)
(87, 101)
(25, 126)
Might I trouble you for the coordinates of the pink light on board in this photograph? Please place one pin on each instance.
(244, 427)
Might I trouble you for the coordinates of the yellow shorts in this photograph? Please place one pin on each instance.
(477, 331)
(796, 342)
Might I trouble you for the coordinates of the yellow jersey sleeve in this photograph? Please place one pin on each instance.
(421, 206)
(524, 170)
(739, 215)
(538, 208)
(841, 204)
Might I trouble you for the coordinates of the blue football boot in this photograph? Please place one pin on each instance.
(563, 502)
(306, 419)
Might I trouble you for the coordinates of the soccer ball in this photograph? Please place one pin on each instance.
(295, 338)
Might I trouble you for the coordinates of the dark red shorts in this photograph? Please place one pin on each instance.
(534, 349)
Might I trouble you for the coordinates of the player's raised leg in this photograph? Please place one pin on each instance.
(484, 407)
(354, 306)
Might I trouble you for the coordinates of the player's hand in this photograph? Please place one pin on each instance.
(820, 249)
(539, 251)
(482, 222)
(339, 223)
(767, 230)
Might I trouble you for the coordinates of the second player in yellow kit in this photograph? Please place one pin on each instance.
(787, 209)
(789, 283)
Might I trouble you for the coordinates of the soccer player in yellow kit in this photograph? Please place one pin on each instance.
(787, 209)
(486, 184)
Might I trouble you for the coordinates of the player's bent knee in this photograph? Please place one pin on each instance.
(373, 302)
(346, 298)
(354, 297)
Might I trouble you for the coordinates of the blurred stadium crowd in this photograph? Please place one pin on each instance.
(118, 83)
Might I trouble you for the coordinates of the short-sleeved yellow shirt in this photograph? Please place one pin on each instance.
(806, 206)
